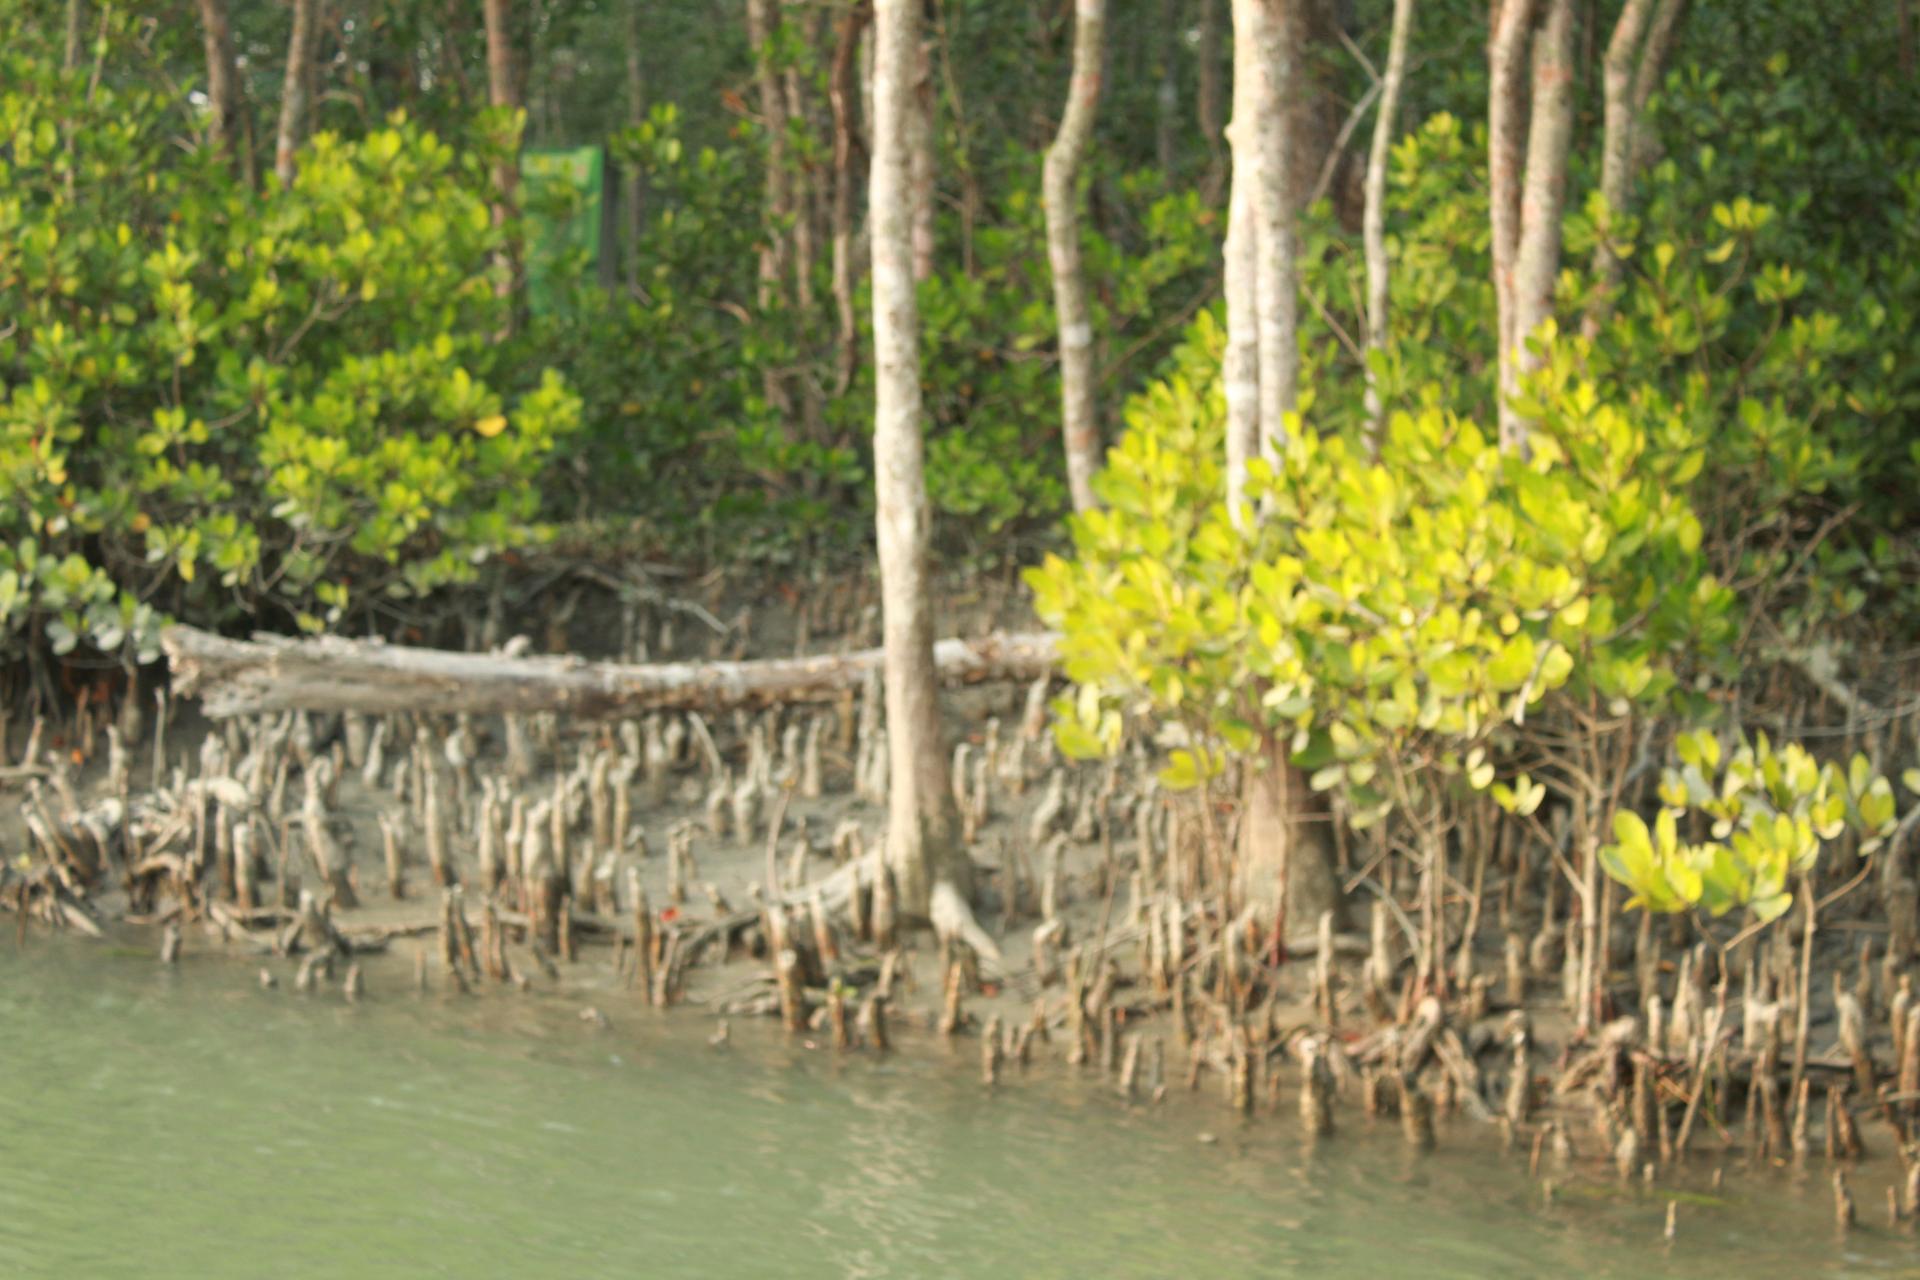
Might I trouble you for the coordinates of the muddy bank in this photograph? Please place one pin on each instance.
(723, 866)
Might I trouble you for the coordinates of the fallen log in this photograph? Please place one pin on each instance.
(330, 673)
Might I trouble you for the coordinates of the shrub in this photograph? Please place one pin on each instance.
(1399, 625)
(222, 402)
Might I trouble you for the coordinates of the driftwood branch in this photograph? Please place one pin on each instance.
(273, 673)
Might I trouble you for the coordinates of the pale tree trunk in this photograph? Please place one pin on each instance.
(1647, 76)
(773, 120)
(923, 162)
(773, 243)
(1283, 867)
(1506, 131)
(634, 190)
(1373, 218)
(223, 85)
(1616, 155)
(293, 94)
(1240, 365)
(1166, 121)
(1542, 196)
(1206, 107)
(866, 75)
(502, 92)
(73, 35)
(922, 845)
(1061, 195)
(847, 151)
(804, 208)
(1276, 288)
(800, 193)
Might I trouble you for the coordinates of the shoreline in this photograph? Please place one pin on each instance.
(531, 853)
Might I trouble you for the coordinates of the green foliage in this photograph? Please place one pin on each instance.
(990, 375)
(218, 401)
(1754, 338)
(1770, 812)
(693, 417)
(673, 375)
(1392, 621)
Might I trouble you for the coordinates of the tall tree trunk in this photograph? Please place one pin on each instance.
(1283, 866)
(773, 120)
(223, 84)
(1542, 198)
(1277, 293)
(804, 192)
(779, 204)
(922, 826)
(1166, 116)
(1206, 107)
(1506, 130)
(800, 192)
(923, 140)
(1904, 20)
(1647, 77)
(633, 194)
(1060, 192)
(848, 155)
(293, 94)
(72, 59)
(1373, 230)
(1240, 364)
(503, 92)
(1616, 154)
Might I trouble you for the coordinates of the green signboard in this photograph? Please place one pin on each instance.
(569, 208)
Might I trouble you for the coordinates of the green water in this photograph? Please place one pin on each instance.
(188, 1123)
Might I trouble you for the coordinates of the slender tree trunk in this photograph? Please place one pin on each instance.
(1240, 365)
(1506, 126)
(293, 94)
(800, 189)
(773, 121)
(1060, 192)
(1207, 98)
(1277, 293)
(1283, 867)
(223, 85)
(503, 92)
(1647, 77)
(74, 15)
(1166, 117)
(1373, 219)
(866, 76)
(1616, 154)
(921, 843)
(922, 143)
(634, 188)
(774, 239)
(806, 222)
(1904, 19)
(1543, 196)
(848, 157)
